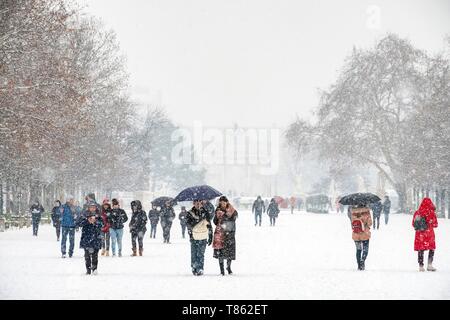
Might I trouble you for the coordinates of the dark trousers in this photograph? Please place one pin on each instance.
(183, 229)
(386, 218)
(258, 215)
(58, 231)
(377, 220)
(362, 250)
(198, 248)
(91, 259)
(35, 227)
(153, 230)
(430, 257)
(106, 239)
(140, 239)
(166, 231)
(272, 220)
(221, 261)
(71, 232)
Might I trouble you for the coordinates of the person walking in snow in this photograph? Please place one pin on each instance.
(36, 211)
(153, 216)
(106, 239)
(424, 222)
(386, 209)
(91, 237)
(273, 211)
(200, 234)
(56, 218)
(224, 243)
(167, 217)
(116, 218)
(377, 207)
(68, 224)
(361, 223)
(258, 208)
(182, 218)
(137, 227)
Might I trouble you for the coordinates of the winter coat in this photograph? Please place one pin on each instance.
(104, 216)
(425, 240)
(224, 242)
(116, 218)
(138, 221)
(36, 212)
(198, 224)
(182, 217)
(386, 206)
(69, 217)
(273, 209)
(258, 206)
(362, 214)
(153, 216)
(56, 216)
(91, 233)
(377, 207)
(167, 216)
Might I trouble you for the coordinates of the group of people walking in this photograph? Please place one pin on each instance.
(259, 207)
(102, 228)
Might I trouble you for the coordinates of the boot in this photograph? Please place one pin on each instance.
(134, 253)
(141, 250)
(103, 252)
(421, 269)
(229, 267)
(430, 267)
(107, 253)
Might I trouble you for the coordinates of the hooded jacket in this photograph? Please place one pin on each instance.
(425, 240)
(138, 218)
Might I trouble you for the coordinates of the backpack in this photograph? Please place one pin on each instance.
(357, 226)
(420, 223)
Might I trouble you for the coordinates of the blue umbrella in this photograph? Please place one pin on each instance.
(203, 192)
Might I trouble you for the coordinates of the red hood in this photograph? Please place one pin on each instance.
(426, 207)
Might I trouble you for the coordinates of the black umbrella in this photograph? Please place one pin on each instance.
(203, 192)
(161, 201)
(356, 199)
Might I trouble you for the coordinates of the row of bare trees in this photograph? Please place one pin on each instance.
(389, 109)
(67, 123)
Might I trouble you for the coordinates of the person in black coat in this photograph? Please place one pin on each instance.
(273, 211)
(376, 207)
(36, 212)
(224, 243)
(116, 219)
(182, 217)
(137, 227)
(167, 217)
(91, 237)
(153, 216)
(258, 208)
(56, 217)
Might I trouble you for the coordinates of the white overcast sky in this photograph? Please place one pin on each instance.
(255, 62)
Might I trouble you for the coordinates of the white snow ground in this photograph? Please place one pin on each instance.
(306, 256)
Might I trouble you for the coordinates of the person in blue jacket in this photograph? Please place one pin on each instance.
(68, 224)
(91, 237)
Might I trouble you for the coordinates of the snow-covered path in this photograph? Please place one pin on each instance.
(306, 256)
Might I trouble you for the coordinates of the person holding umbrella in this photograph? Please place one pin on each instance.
(361, 222)
(200, 234)
(224, 243)
(424, 222)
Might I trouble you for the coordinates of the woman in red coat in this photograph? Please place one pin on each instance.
(424, 221)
